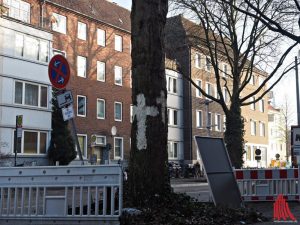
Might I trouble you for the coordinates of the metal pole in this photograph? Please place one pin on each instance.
(297, 90)
(76, 140)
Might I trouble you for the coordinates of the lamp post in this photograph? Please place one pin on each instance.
(297, 88)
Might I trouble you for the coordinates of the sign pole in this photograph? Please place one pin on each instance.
(16, 146)
(76, 140)
(18, 135)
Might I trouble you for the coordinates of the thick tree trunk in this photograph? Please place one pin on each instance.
(148, 167)
(234, 135)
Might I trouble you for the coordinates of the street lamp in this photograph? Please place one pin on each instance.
(208, 123)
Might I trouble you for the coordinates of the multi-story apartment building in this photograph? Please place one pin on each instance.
(201, 116)
(24, 84)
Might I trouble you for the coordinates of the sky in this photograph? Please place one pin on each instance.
(124, 3)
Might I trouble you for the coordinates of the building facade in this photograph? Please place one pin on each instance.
(24, 85)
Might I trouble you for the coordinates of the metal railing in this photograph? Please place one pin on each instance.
(62, 193)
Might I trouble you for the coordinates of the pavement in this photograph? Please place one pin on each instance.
(199, 189)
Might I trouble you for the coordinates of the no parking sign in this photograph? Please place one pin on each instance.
(59, 71)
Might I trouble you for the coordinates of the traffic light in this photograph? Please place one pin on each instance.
(258, 154)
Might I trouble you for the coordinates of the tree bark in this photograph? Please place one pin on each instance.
(148, 167)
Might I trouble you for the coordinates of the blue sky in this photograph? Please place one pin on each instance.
(123, 3)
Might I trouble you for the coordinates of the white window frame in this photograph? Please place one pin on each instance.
(102, 100)
(198, 93)
(171, 86)
(18, 13)
(207, 59)
(120, 103)
(101, 37)
(171, 113)
(207, 84)
(197, 60)
(210, 115)
(218, 122)
(217, 96)
(118, 43)
(83, 151)
(224, 123)
(122, 148)
(59, 52)
(100, 136)
(262, 129)
(197, 119)
(84, 105)
(131, 113)
(120, 69)
(59, 19)
(81, 30)
(85, 66)
(252, 79)
(252, 106)
(253, 127)
(225, 70)
(103, 66)
(171, 144)
(262, 105)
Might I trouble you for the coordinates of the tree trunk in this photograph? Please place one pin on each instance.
(234, 135)
(148, 167)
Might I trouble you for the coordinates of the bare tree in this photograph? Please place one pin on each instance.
(148, 171)
(224, 34)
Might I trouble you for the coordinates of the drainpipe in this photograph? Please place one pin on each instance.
(190, 104)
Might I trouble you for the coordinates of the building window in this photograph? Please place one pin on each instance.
(261, 129)
(118, 111)
(31, 48)
(252, 106)
(18, 9)
(218, 122)
(225, 70)
(248, 153)
(173, 149)
(82, 139)
(100, 109)
(81, 66)
(118, 75)
(118, 43)
(172, 85)
(253, 127)
(118, 148)
(81, 105)
(209, 89)
(81, 34)
(173, 117)
(199, 119)
(59, 52)
(33, 142)
(252, 79)
(207, 64)
(131, 113)
(197, 60)
(262, 105)
(101, 71)
(31, 94)
(209, 120)
(216, 92)
(101, 36)
(59, 23)
(100, 140)
(224, 123)
(198, 92)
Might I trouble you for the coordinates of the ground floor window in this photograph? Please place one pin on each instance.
(82, 139)
(173, 149)
(118, 148)
(33, 142)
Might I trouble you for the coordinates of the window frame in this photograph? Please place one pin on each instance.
(121, 104)
(64, 31)
(118, 43)
(83, 151)
(85, 106)
(85, 68)
(104, 70)
(197, 60)
(171, 144)
(103, 32)
(115, 73)
(218, 122)
(121, 150)
(198, 93)
(197, 119)
(103, 100)
(253, 130)
(81, 36)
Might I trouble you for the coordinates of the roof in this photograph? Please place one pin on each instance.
(102, 10)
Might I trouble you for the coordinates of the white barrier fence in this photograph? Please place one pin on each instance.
(267, 184)
(67, 194)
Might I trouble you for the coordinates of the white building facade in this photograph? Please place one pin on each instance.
(25, 89)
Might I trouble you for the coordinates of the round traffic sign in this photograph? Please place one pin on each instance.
(257, 151)
(59, 71)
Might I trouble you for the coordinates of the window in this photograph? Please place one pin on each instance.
(252, 79)
(31, 48)
(118, 43)
(262, 105)
(225, 70)
(218, 122)
(173, 149)
(100, 140)
(173, 117)
(118, 148)
(101, 36)
(100, 109)
(209, 119)
(260, 80)
(197, 60)
(248, 153)
(199, 84)
(18, 9)
(224, 123)
(209, 89)
(261, 129)
(225, 95)
(172, 85)
(81, 105)
(199, 119)
(131, 113)
(59, 52)
(81, 66)
(82, 139)
(208, 63)
(101, 71)
(253, 127)
(118, 75)
(118, 111)
(31, 94)
(33, 142)
(216, 92)
(81, 32)
(252, 106)
(59, 23)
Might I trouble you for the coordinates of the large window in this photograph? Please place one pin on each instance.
(81, 105)
(197, 60)
(225, 70)
(173, 117)
(101, 71)
(225, 95)
(31, 94)
(173, 149)
(262, 129)
(31, 48)
(248, 152)
(18, 9)
(252, 106)
(208, 63)
(262, 105)
(199, 119)
(118, 43)
(172, 85)
(101, 37)
(81, 66)
(59, 23)
(82, 139)
(100, 109)
(118, 111)
(33, 142)
(218, 122)
(81, 32)
(118, 75)
(118, 148)
(199, 84)
(209, 89)
(253, 127)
